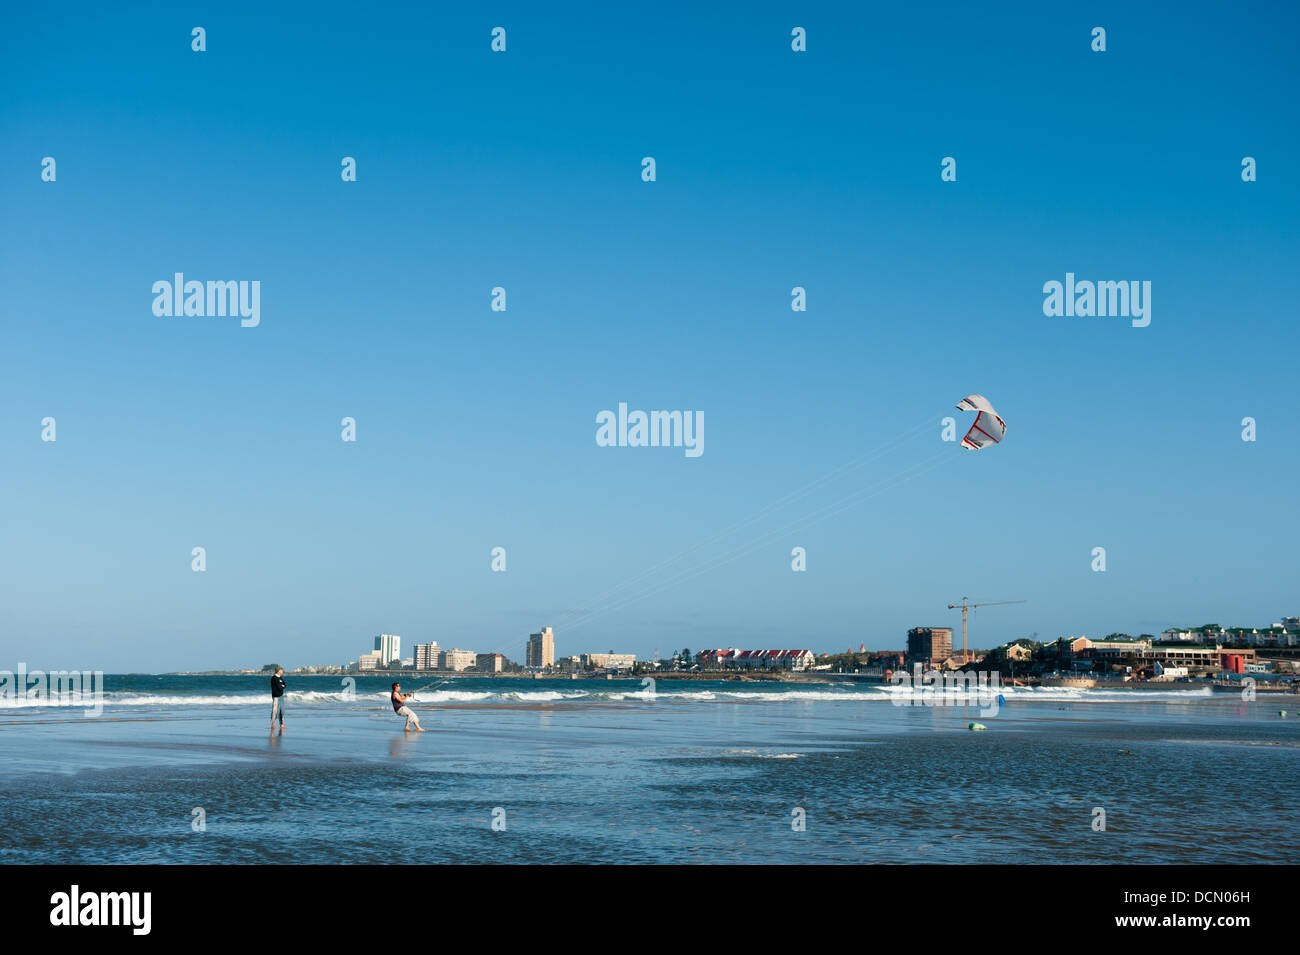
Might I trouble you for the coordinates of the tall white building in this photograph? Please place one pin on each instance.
(541, 648)
(389, 646)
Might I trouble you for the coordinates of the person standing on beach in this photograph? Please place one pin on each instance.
(401, 709)
(277, 698)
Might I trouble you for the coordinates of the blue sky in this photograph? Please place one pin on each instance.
(476, 428)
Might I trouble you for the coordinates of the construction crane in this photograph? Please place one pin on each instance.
(965, 657)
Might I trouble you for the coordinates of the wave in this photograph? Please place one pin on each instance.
(873, 693)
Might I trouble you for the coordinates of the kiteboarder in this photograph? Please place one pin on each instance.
(401, 709)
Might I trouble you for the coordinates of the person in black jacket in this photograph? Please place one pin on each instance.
(277, 698)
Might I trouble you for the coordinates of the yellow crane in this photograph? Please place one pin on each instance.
(965, 657)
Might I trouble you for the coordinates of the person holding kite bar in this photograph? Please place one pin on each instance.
(401, 709)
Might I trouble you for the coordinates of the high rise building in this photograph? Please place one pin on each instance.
(541, 648)
(426, 655)
(457, 659)
(389, 646)
(490, 662)
(929, 644)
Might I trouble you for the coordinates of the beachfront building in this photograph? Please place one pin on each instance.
(490, 662)
(609, 661)
(457, 659)
(1278, 635)
(929, 645)
(1184, 654)
(369, 661)
(541, 648)
(1115, 648)
(389, 646)
(426, 655)
(733, 659)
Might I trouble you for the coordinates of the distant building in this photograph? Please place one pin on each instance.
(1114, 647)
(1018, 652)
(733, 659)
(893, 659)
(457, 659)
(541, 648)
(609, 661)
(1284, 634)
(389, 646)
(1074, 645)
(369, 661)
(929, 644)
(426, 655)
(490, 662)
(1185, 654)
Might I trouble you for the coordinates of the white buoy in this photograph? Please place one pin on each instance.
(976, 726)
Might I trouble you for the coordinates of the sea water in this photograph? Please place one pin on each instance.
(184, 769)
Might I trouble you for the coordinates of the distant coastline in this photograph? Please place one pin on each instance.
(775, 676)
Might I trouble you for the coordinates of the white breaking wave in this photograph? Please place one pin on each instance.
(867, 694)
(631, 695)
(860, 693)
(757, 755)
(446, 696)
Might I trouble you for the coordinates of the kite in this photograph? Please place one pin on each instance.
(988, 428)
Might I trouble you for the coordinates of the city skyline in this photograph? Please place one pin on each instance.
(428, 655)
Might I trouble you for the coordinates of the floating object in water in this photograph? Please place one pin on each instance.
(976, 726)
(1281, 712)
(1002, 700)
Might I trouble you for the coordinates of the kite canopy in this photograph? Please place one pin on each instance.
(988, 427)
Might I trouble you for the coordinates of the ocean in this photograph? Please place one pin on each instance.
(182, 769)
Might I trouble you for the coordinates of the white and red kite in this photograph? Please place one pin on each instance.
(988, 428)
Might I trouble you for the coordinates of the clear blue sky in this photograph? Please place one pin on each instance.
(476, 429)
